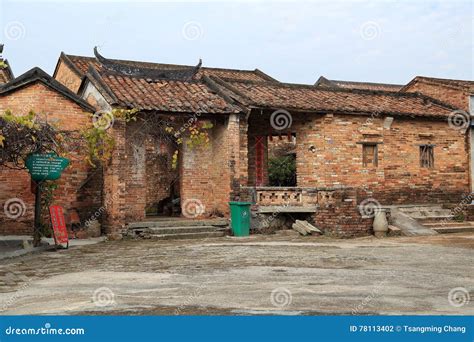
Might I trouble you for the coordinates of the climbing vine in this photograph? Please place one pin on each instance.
(197, 134)
(3, 65)
(99, 140)
(21, 135)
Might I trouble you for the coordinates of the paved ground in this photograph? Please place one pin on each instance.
(257, 275)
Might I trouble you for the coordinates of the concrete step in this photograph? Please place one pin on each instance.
(202, 235)
(449, 224)
(453, 229)
(181, 230)
(178, 223)
(413, 208)
(433, 219)
(408, 225)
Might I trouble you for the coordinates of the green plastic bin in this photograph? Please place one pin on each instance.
(240, 218)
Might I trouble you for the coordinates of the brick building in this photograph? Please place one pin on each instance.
(36, 90)
(458, 93)
(353, 142)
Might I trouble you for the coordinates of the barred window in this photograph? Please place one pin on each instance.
(427, 156)
(369, 155)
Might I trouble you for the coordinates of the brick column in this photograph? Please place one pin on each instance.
(114, 185)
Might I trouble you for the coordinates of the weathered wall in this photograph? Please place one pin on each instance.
(66, 76)
(160, 176)
(451, 95)
(339, 216)
(329, 153)
(79, 186)
(208, 174)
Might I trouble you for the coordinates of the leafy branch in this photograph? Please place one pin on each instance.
(22, 135)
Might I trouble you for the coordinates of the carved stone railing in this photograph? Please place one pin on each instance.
(292, 198)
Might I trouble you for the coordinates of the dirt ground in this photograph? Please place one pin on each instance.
(278, 274)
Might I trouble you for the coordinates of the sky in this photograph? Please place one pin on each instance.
(293, 41)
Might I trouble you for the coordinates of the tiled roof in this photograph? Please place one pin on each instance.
(174, 88)
(320, 99)
(324, 82)
(459, 84)
(165, 95)
(82, 65)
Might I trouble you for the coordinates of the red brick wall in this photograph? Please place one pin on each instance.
(79, 186)
(210, 174)
(453, 96)
(339, 215)
(160, 176)
(329, 154)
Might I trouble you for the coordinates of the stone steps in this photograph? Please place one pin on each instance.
(180, 236)
(182, 230)
(149, 223)
(449, 224)
(453, 229)
(432, 218)
(161, 229)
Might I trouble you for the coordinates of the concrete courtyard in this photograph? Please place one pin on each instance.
(278, 274)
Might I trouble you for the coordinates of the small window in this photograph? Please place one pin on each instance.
(427, 156)
(369, 155)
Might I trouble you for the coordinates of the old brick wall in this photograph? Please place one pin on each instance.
(79, 186)
(135, 148)
(67, 77)
(450, 95)
(160, 176)
(209, 174)
(339, 216)
(329, 153)
(398, 178)
(114, 189)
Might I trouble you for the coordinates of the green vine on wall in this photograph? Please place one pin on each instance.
(21, 135)
(197, 134)
(99, 140)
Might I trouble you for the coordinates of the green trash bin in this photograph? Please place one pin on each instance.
(240, 218)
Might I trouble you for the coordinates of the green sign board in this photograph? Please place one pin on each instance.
(45, 166)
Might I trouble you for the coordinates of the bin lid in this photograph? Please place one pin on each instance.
(240, 203)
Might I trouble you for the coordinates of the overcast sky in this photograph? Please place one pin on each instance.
(378, 41)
